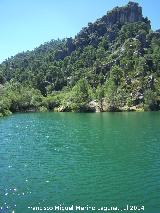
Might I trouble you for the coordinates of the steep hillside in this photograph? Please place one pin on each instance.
(112, 64)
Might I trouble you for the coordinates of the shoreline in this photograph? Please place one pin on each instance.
(90, 112)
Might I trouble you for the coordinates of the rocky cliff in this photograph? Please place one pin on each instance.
(91, 34)
(132, 12)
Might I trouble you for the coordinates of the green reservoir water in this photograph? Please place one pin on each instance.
(100, 159)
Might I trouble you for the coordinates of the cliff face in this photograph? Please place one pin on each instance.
(130, 13)
(91, 34)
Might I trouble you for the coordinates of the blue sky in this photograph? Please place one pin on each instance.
(25, 24)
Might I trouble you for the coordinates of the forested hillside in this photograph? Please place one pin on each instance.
(110, 65)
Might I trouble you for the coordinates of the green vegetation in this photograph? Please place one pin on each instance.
(113, 63)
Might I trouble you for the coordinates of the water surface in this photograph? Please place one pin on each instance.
(99, 159)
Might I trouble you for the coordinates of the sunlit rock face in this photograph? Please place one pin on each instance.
(132, 12)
